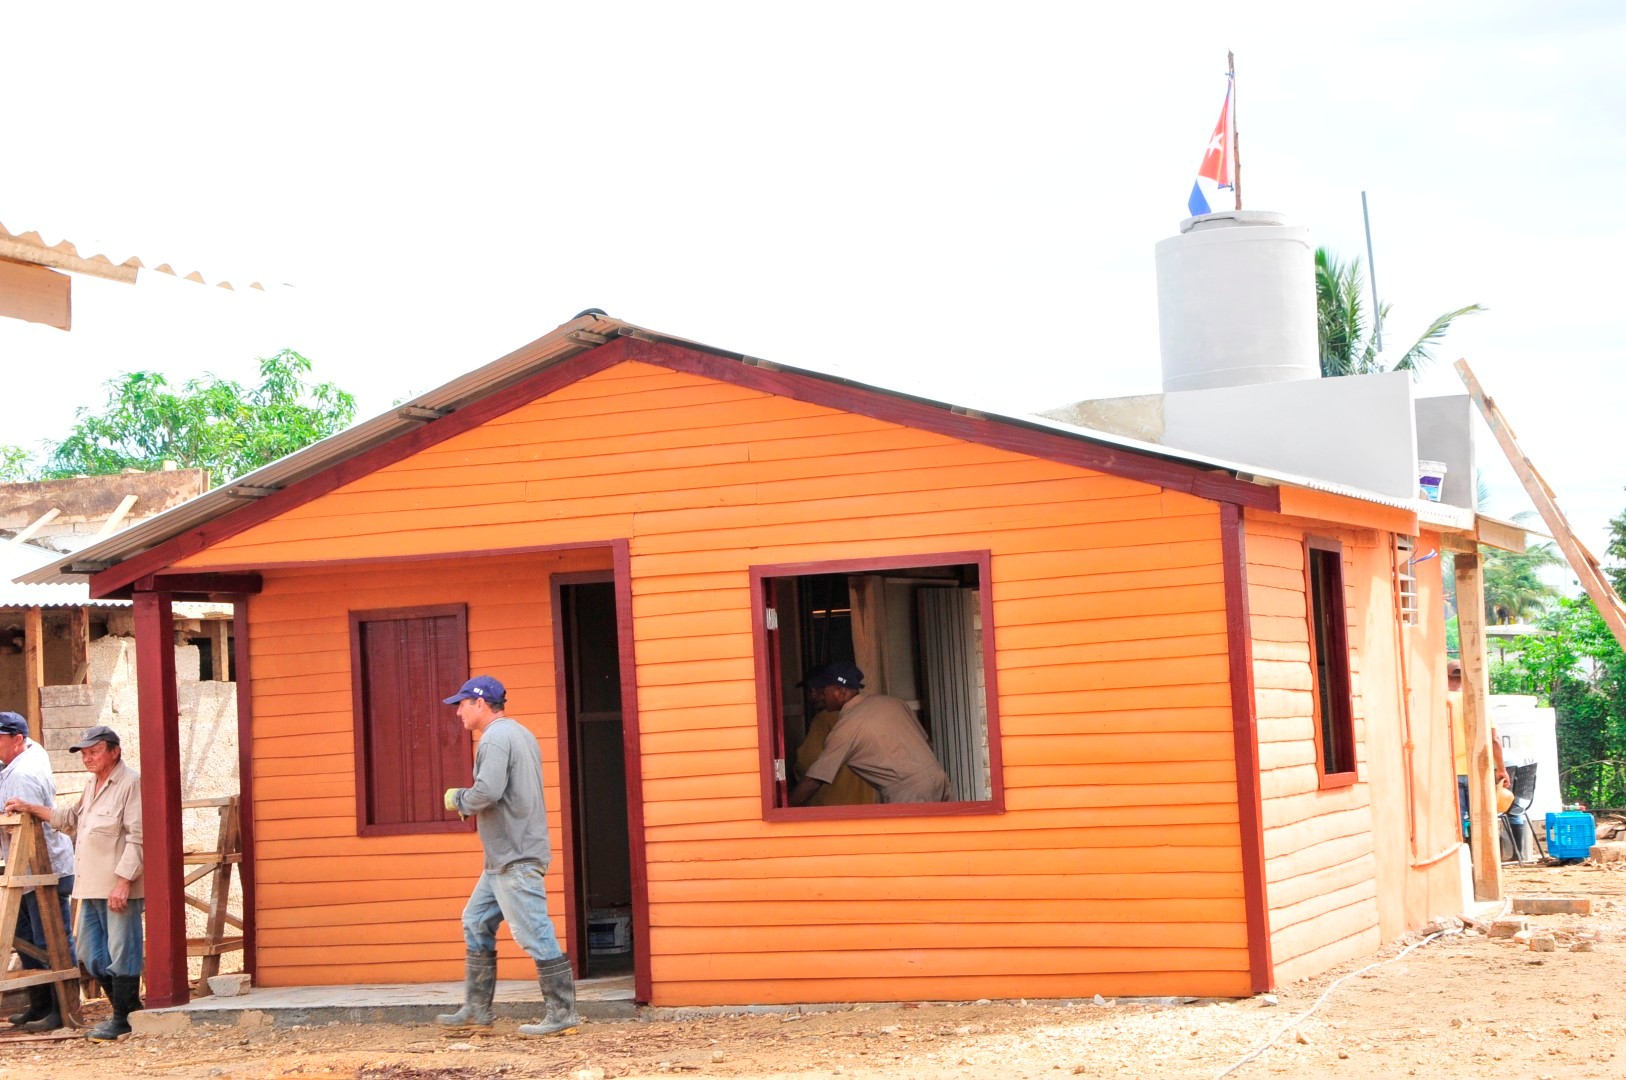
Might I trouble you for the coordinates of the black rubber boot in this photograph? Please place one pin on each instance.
(124, 991)
(53, 1015)
(479, 987)
(559, 994)
(39, 1006)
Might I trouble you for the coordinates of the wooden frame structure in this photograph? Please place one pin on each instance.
(29, 866)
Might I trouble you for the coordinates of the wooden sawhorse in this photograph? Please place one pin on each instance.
(28, 864)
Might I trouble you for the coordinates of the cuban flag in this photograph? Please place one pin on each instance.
(1214, 174)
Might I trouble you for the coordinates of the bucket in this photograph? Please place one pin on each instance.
(1430, 477)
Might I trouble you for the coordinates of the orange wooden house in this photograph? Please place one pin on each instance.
(1191, 724)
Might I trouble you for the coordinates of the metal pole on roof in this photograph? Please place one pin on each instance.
(1372, 276)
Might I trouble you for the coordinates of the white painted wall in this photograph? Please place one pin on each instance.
(1359, 430)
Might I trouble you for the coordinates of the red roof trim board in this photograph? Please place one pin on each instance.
(860, 400)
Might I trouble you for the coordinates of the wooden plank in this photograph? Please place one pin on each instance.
(34, 294)
(79, 646)
(1483, 836)
(1583, 562)
(33, 670)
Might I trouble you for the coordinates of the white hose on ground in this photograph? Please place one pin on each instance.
(1301, 1017)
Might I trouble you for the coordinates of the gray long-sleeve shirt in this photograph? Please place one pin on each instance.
(506, 799)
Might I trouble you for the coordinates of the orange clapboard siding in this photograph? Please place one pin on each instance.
(1212, 914)
(940, 962)
(768, 940)
(1012, 822)
(1109, 631)
(1320, 871)
(1232, 983)
(768, 847)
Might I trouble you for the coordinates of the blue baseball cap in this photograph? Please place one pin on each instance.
(842, 673)
(12, 724)
(483, 687)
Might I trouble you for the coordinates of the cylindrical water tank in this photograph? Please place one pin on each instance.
(1236, 302)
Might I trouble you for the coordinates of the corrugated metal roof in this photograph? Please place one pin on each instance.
(30, 247)
(584, 332)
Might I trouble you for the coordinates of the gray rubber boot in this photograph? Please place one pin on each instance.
(479, 987)
(559, 994)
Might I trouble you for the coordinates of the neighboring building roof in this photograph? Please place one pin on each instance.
(29, 247)
(585, 332)
(18, 559)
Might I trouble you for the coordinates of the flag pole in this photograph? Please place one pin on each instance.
(1236, 136)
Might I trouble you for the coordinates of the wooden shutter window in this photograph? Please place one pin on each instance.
(409, 746)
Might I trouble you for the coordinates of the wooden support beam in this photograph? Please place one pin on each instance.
(35, 294)
(33, 670)
(79, 645)
(35, 526)
(1583, 562)
(1484, 839)
(161, 800)
(206, 585)
(868, 599)
(245, 778)
(220, 648)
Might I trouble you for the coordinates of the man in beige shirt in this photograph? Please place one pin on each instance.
(877, 737)
(106, 827)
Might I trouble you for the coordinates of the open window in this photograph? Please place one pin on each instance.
(920, 630)
(409, 746)
(1329, 660)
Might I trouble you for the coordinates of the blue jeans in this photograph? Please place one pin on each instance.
(32, 930)
(110, 941)
(515, 893)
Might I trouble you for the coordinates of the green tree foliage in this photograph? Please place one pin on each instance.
(13, 464)
(1617, 552)
(1580, 672)
(1514, 589)
(209, 422)
(1348, 343)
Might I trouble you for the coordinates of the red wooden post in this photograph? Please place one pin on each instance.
(161, 801)
(245, 778)
(1245, 742)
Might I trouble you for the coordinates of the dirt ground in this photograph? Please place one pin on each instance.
(1462, 1005)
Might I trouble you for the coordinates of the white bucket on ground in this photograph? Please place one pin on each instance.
(1430, 478)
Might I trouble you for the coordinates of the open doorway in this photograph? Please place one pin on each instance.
(599, 878)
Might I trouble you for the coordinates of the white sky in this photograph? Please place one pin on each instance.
(957, 200)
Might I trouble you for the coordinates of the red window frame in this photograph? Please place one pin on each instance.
(418, 718)
(1330, 682)
(770, 729)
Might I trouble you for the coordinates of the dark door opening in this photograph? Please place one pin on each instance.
(590, 666)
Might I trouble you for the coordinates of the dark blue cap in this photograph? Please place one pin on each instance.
(841, 673)
(12, 724)
(483, 687)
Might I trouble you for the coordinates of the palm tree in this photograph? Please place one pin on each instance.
(1348, 344)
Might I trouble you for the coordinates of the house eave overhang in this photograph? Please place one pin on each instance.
(132, 559)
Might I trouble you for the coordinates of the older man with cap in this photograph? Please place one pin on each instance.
(27, 776)
(506, 801)
(106, 826)
(877, 737)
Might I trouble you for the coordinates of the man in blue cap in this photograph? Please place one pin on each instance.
(877, 737)
(506, 801)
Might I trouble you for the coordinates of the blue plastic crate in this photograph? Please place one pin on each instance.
(1571, 834)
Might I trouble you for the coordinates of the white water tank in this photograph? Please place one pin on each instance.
(1236, 302)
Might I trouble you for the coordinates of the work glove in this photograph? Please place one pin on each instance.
(451, 800)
